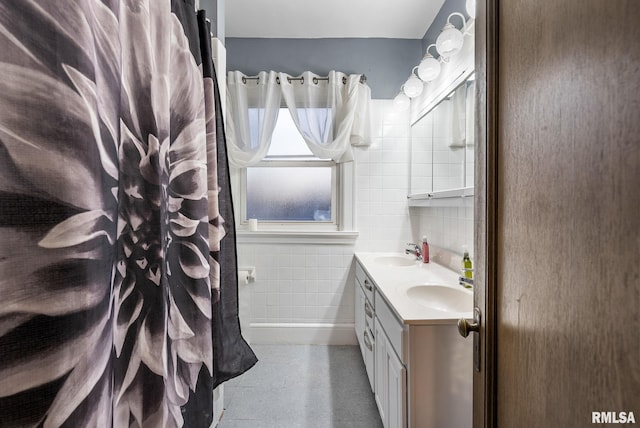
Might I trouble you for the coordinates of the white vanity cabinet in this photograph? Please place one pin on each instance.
(421, 367)
(385, 370)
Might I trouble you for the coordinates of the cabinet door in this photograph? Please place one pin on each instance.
(397, 391)
(369, 347)
(381, 377)
(390, 383)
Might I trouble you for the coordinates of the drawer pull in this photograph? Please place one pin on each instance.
(367, 285)
(367, 341)
(367, 310)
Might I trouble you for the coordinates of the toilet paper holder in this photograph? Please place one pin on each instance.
(247, 274)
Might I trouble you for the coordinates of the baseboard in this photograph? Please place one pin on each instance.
(303, 334)
(218, 405)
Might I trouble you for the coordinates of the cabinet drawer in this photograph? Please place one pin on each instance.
(368, 311)
(392, 327)
(367, 284)
(369, 343)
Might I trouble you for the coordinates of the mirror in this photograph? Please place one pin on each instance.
(442, 146)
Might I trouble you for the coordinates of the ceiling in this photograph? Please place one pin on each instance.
(397, 19)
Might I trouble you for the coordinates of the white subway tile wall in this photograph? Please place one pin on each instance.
(313, 283)
(446, 227)
(300, 283)
(382, 181)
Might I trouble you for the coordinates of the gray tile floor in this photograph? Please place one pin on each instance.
(301, 386)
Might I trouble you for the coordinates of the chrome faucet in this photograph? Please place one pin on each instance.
(465, 282)
(415, 251)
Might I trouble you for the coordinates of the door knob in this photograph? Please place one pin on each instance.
(466, 326)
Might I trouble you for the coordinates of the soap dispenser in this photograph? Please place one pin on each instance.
(467, 266)
(425, 250)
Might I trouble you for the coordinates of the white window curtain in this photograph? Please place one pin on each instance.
(252, 111)
(361, 132)
(325, 112)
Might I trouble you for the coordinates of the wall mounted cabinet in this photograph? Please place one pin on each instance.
(442, 133)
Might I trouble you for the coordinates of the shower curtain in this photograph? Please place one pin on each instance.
(118, 291)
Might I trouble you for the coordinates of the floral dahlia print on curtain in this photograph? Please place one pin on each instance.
(109, 217)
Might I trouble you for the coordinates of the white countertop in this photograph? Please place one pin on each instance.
(393, 282)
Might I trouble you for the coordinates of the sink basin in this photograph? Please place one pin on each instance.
(395, 261)
(442, 298)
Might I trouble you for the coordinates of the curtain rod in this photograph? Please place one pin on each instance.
(363, 79)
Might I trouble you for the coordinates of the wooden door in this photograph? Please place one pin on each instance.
(558, 202)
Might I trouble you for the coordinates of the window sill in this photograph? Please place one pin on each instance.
(296, 237)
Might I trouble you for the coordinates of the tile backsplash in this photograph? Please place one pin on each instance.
(447, 227)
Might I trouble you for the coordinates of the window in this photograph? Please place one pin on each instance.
(291, 188)
(279, 192)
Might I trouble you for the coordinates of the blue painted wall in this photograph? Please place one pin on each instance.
(215, 13)
(386, 62)
(440, 20)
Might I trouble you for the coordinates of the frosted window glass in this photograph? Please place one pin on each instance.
(289, 193)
